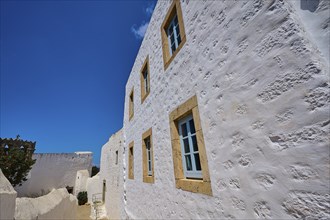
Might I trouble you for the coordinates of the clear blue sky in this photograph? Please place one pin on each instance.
(64, 66)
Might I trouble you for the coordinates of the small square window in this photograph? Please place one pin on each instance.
(145, 80)
(131, 161)
(116, 157)
(131, 104)
(147, 157)
(173, 33)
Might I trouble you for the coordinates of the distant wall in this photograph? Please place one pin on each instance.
(58, 204)
(94, 186)
(53, 171)
(112, 173)
(7, 198)
(81, 181)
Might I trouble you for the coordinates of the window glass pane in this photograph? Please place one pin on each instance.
(188, 162)
(149, 165)
(149, 155)
(179, 39)
(170, 29)
(176, 20)
(184, 130)
(173, 48)
(192, 126)
(194, 141)
(197, 161)
(186, 145)
(177, 30)
(172, 39)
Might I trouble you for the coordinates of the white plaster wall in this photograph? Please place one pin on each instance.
(7, 198)
(112, 173)
(53, 171)
(58, 204)
(81, 181)
(262, 86)
(94, 186)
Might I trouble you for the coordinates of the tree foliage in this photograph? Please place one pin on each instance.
(15, 164)
(95, 170)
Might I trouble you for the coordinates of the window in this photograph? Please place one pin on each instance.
(173, 33)
(131, 104)
(131, 161)
(116, 157)
(188, 149)
(145, 80)
(147, 157)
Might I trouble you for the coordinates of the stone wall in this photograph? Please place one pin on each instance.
(262, 83)
(112, 172)
(58, 204)
(81, 181)
(53, 171)
(7, 198)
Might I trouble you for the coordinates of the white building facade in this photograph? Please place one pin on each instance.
(226, 114)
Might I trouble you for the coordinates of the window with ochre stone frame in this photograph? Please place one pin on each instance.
(145, 79)
(188, 149)
(131, 160)
(172, 33)
(148, 157)
(131, 104)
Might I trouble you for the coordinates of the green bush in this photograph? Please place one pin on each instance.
(82, 198)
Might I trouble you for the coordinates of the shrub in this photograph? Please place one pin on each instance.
(82, 198)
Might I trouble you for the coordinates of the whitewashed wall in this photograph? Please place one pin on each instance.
(7, 198)
(262, 83)
(53, 171)
(112, 173)
(58, 204)
(81, 181)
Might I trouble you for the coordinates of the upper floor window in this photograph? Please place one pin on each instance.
(172, 33)
(131, 161)
(145, 80)
(131, 104)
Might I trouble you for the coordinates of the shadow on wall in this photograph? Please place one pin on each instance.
(310, 5)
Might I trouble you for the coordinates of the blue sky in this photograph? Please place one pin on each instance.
(64, 66)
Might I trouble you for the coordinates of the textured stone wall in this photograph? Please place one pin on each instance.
(54, 171)
(262, 84)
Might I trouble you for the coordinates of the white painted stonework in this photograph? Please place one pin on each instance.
(58, 204)
(94, 186)
(111, 170)
(260, 71)
(53, 171)
(81, 181)
(7, 198)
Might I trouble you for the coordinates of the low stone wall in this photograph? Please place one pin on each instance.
(7, 198)
(58, 204)
(54, 171)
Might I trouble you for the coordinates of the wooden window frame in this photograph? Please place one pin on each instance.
(144, 94)
(131, 160)
(203, 185)
(131, 104)
(146, 177)
(175, 9)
